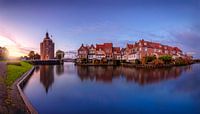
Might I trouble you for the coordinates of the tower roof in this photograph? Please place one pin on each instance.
(47, 36)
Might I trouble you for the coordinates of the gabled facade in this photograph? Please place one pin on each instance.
(100, 53)
(116, 53)
(108, 48)
(83, 52)
(130, 53)
(91, 52)
(123, 54)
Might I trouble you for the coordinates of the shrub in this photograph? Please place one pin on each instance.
(166, 59)
(158, 62)
(149, 58)
(137, 61)
(181, 61)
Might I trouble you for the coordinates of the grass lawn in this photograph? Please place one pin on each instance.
(15, 71)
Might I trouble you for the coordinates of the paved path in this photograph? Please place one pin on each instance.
(3, 88)
(10, 99)
(2, 69)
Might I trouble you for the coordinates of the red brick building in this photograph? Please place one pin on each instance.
(100, 53)
(147, 48)
(47, 48)
(108, 48)
(130, 53)
(91, 52)
(83, 52)
(116, 53)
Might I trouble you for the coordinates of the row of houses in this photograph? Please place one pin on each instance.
(130, 53)
(99, 52)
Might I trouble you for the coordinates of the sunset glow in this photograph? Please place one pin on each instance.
(99, 56)
(14, 50)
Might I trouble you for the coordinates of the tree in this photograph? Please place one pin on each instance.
(36, 56)
(150, 58)
(31, 55)
(166, 58)
(3, 53)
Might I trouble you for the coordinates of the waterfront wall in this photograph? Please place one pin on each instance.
(133, 65)
(20, 85)
(46, 62)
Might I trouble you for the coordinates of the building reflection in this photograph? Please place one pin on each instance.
(59, 70)
(105, 74)
(140, 76)
(47, 76)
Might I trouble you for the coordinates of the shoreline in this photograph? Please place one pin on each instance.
(20, 83)
(19, 98)
(13, 100)
(145, 66)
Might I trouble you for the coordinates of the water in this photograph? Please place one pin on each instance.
(72, 89)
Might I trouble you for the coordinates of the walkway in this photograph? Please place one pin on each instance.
(10, 99)
(3, 89)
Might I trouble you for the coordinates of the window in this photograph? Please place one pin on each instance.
(145, 43)
(145, 49)
(140, 49)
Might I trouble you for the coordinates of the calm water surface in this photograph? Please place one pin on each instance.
(69, 89)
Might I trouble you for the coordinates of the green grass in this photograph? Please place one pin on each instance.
(3, 60)
(14, 72)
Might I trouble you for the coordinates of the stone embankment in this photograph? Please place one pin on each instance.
(10, 100)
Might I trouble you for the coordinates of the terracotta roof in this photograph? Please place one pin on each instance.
(103, 46)
(177, 49)
(108, 45)
(99, 46)
(130, 46)
(116, 49)
(82, 48)
(92, 46)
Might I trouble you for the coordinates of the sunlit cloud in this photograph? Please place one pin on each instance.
(15, 50)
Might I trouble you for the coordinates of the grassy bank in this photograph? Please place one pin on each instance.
(14, 71)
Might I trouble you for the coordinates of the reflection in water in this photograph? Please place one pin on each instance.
(108, 73)
(120, 93)
(59, 69)
(141, 76)
(47, 76)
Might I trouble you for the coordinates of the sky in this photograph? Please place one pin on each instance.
(23, 23)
